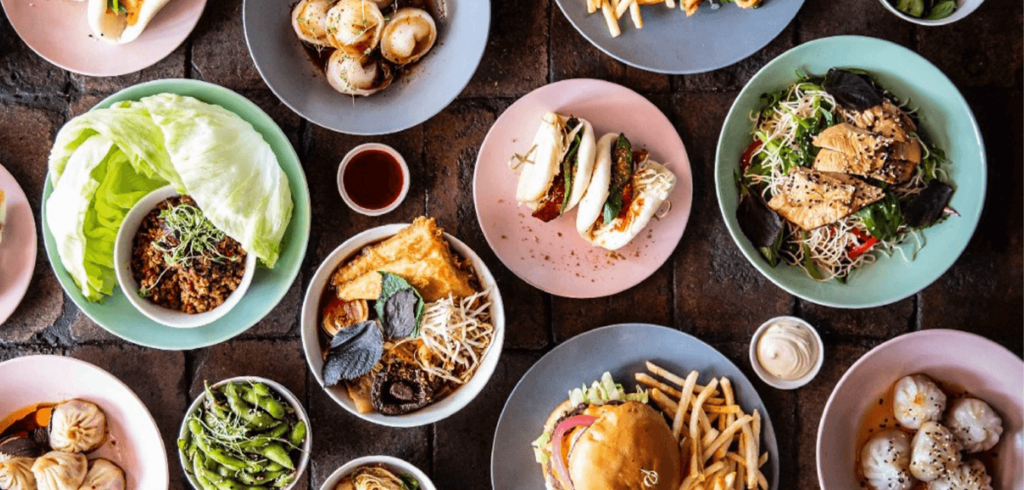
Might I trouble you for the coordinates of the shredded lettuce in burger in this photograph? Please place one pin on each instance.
(600, 393)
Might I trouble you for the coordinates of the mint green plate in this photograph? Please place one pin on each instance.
(118, 316)
(945, 118)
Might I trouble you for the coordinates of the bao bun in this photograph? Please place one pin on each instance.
(614, 452)
(544, 161)
(122, 28)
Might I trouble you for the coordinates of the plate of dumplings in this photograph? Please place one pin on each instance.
(930, 410)
(68, 425)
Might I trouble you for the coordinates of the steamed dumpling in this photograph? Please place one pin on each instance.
(974, 424)
(60, 471)
(16, 473)
(885, 461)
(970, 475)
(934, 451)
(77, 426)
(916, 400)
(104, 475)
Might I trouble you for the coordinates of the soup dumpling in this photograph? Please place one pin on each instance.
(885, 461)
(969, 475)
(934, 451)
(60, 471)
(104, 475)
(16, 473)
(77, 426)
(975, 424)
(916, 400)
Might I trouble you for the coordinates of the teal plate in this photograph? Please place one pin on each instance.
(118, 316)
(946, 119)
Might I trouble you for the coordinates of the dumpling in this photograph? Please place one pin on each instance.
(77, 426)
(103, 475)
(60, 471)
(885, 461)
(916, 400)
(970, 475)
(934, 451)
(16, 473)
(974, 424)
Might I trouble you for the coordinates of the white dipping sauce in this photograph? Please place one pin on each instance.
(787, 350)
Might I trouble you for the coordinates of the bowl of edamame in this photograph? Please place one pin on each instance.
(245, 432)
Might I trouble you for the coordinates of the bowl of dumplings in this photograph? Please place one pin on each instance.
(929, 410)
(68, 425)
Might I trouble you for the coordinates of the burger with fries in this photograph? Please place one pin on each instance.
(673, 433)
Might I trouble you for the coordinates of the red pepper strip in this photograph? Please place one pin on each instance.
(748, 154)
(857, 252)
(556, 444)
(860, 234)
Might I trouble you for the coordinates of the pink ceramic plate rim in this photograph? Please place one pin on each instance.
(58, 31)
(139, 447)
(551, 256)
(969, 348)
(18, 247)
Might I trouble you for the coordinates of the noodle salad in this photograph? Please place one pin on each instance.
(784, 164)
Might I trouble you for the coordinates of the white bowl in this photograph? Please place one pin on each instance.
(394, 465)
(130, 288)
(771, 379)
(431, 413)
(963, 9)
(279, 389)
(401, 163)
(985, 369)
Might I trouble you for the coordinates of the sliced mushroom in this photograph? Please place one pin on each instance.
(309, 19)
(354, 26)
(357, 76)
(339, 314)
(408, 36)
(401, 388)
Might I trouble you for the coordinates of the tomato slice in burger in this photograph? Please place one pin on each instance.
(556, 445)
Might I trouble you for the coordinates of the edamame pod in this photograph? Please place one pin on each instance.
(298, 434)
(278, 454)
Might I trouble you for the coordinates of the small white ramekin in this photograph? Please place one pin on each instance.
(769, 378)
(130, 288)
(401, 163)
(394, 465)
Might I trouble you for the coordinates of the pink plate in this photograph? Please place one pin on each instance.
(18, 248)
(58, 31)
(552, 256)
(134, 443)
(983, 368)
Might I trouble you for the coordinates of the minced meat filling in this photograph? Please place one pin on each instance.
(197, 284)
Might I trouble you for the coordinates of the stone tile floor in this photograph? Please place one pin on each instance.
(707, 288)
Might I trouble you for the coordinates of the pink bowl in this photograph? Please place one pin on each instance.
(985, 369)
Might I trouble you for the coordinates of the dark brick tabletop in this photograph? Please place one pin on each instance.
(707, 288)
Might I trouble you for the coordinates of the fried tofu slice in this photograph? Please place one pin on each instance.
(885, 119)
(811, 199)
(851, 150)
(418, 253)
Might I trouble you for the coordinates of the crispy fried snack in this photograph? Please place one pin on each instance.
(418, 253)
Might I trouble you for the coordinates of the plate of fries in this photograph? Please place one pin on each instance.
(680, 36)
(725, 435)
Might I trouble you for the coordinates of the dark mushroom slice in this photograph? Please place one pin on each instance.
(22, 446)
(400, 389)
(929, 205)
(353, 352)
(339, 314)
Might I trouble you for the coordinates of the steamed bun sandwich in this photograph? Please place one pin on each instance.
(122, 21)
(556, 170)
(106, 160)
(626, 191)
(674, 435)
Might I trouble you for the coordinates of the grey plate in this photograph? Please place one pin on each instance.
(418, 95)
(671, 42)
(621, 350)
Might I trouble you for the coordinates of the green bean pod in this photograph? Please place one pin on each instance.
(298, 434)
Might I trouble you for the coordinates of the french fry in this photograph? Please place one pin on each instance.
(741, 475)
(610, 19)
(725, 409)
(688, 384)
(649, 381)
(730, 479)
(762, 481)
(763, 460)
(750, 457)
(592, 6)
(694, 424)
(670, 4)
(755, 428)
(726, 437)
(664, 373)
(634, 13)
(622, 6)
(709, 438)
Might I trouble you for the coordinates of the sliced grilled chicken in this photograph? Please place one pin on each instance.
(811, 199)
(885, 119)
(855, 151)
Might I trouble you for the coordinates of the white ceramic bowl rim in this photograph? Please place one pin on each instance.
(769, 378)
(284, 393)
(393, 464)
(432, 413)
(963, 9)
(405, 178)
(128, 285)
